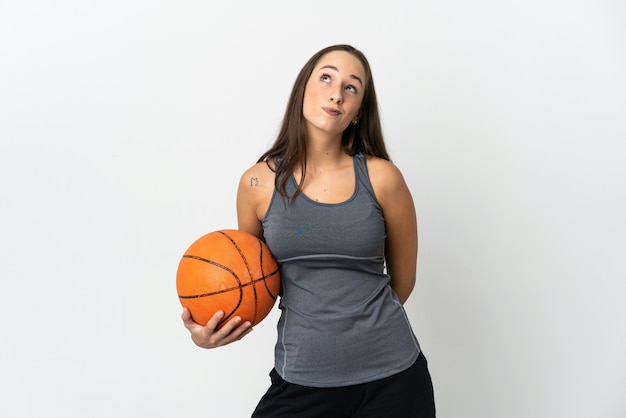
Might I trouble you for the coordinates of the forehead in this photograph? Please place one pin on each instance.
(344, 61)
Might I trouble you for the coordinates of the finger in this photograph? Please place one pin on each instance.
(186, 314)
(187, 319)
(247, 330)
(189, 322)
(234, 330)
(212, 324)
(229, 326)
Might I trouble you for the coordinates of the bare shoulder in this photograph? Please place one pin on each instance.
(256, 187)
(386, 177)
(259, 175)
(378, 166)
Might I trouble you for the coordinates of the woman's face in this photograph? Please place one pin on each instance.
(333, 93)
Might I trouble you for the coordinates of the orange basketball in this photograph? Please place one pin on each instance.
(228, 270)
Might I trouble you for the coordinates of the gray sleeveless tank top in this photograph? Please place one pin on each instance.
(341, 323)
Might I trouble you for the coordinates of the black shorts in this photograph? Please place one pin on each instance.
(408, 394)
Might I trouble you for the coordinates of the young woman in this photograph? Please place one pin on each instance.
(339, 218)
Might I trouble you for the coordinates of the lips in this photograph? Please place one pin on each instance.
(331, 112)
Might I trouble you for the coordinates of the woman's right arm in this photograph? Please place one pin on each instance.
(253, 196)
(256, 187)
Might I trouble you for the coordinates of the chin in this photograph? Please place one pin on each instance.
(330, 128)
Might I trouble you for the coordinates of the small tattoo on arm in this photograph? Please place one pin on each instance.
(254, 181)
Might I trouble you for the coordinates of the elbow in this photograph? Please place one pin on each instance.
(404, 290)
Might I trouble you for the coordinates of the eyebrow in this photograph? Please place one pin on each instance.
(332, 67)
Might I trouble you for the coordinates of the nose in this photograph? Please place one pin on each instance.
(336, 97)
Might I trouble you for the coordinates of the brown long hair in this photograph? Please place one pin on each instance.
(289, 149)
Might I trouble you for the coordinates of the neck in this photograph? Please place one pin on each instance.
(325, 154)
(323, 149)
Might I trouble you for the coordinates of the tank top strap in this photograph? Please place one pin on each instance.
(362, 175)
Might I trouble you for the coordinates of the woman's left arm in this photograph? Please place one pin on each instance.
(401, 224)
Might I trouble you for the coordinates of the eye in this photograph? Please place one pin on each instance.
(325, 78)
(351, 89)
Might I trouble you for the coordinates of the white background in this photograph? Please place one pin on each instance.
(125, 126)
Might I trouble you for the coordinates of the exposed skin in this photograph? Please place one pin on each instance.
(333, 96)
(208, 337)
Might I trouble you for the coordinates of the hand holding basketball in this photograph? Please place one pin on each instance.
(207, 336)
(227, 282)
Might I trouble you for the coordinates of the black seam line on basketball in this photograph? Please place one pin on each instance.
(243, 256)
(217, 292)
(245, 261)
(226, 269)
(195, 257)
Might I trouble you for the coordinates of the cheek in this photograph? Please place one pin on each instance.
(306, 104)
(355, 110)
(310, 99)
